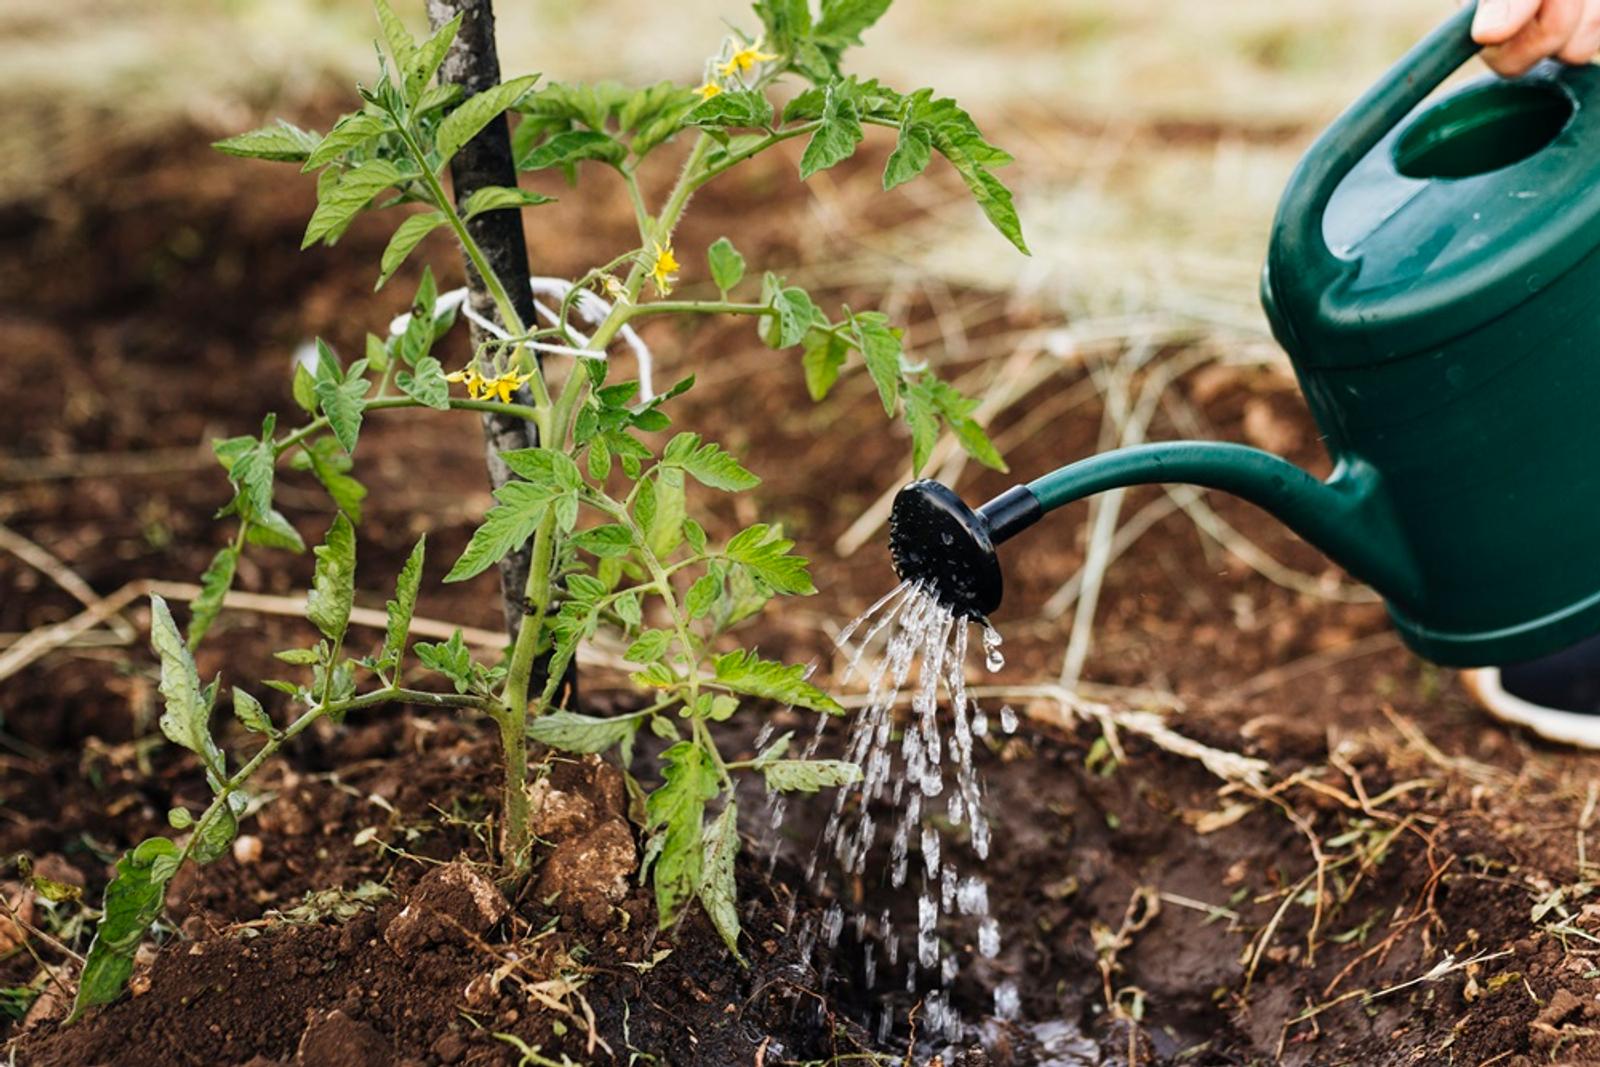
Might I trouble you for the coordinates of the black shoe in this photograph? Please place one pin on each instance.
(1557, 697)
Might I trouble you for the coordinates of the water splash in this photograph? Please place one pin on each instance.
(924, 786)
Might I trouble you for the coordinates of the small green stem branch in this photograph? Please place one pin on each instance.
(390, 403)
(697, 307)
(390, 694)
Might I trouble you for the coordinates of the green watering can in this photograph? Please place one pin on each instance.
(1434, 275)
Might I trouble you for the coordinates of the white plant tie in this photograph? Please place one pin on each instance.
(590, 306)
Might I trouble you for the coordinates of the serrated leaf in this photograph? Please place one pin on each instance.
(186, 715)
(952, 132)
(664, 531)
(281, 143)
(406, 238)
(648, 647)
(608, 541)
(546, 468)
(214, 834)
(573, 146)
(571, 732)
(835, 140)
(505, 528)
(133, 901)
(703, 594)
(718, 891)
(426, 384)
(498, 198)
(794, 313)
(824, 357)
(427, 59)
(846, 20)
(765, 552)
(346, 492)
(735, 109)
(923, 424)
(674, 813)
(214, 585)
(476, 112)
(346, 197)
(303, 387)
(348, 134)
(400, 609)
(727, 265)
(272, 530)
(880, 348)
(251, 715)
(343, 398)
(450, 658)
(252, 472)
(333, 583)
(745, 672)
(912, 151)
(708, 464)
(402, 46)
(808, 776)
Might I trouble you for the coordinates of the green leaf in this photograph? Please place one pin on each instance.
(179, 818)
(402, 46)
(846, 20)
(695, 534)
(674, 813)
(506, 527)
(550, 470)
(303, 387)
(836, 139)
(735, 109)
(571, 732)
(350, 133)
(425, 63)
(476, 112)
(708, 464)
(765, 551)
(787, 23)
(333, 584)
(719, 894)
(450, 658)
(346, 197)
(426, 384)
(795, 313)
(248, 710)
(343, 396)
(957, 411)
(664, 531)
(823, 359)
(133, 901)
(214, 585)
(500, 197)
(809, 775)
(727, 265)
(924, 425)
(880, 348)
(703, 594)
(911, 153)
(953, 133)
(272, 530)
(186, 717)
(215, 833)
(435, 97)
(649, 647)
(745, 672)
(573, 146)
(401, 608)
(607, 542)
(252, 474)
(280, 142)
(345, 491)
(405, 239)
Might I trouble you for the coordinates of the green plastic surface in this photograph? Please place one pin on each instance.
(1433, 275)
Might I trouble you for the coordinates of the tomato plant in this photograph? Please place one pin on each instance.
(604, 502)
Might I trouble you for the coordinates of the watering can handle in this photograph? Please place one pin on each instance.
(1299, 243)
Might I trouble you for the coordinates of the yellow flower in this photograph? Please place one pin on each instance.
(745, 60)
(471, 378)
(503, 386)
(708, 90)
(665, 270)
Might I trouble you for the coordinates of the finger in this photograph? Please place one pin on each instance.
(1584, 43)
(1546, 35)
(1497, 21)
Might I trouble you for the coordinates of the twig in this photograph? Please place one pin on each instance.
(53, 568)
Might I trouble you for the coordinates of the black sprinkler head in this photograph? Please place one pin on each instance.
(936, 539)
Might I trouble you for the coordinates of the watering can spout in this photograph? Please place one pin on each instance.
(937, 539)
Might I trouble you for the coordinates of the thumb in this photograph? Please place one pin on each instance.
(1497, 21)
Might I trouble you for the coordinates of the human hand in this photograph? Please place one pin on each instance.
(1519, 33)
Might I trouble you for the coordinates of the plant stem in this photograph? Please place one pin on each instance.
(697, 307)
(389, 403)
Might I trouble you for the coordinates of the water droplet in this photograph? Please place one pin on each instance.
(1008, 719)
(1007, 1001)
(993, 659)
(989, 937)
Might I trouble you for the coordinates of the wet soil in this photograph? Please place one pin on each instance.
(1412, 886)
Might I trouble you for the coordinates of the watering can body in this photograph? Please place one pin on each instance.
(1434, 275)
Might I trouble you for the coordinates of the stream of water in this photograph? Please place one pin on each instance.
(920, 779)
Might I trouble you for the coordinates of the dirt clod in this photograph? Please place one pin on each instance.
(336, 1040)
(452, 903)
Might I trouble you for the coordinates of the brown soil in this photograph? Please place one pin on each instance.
(156, 310)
